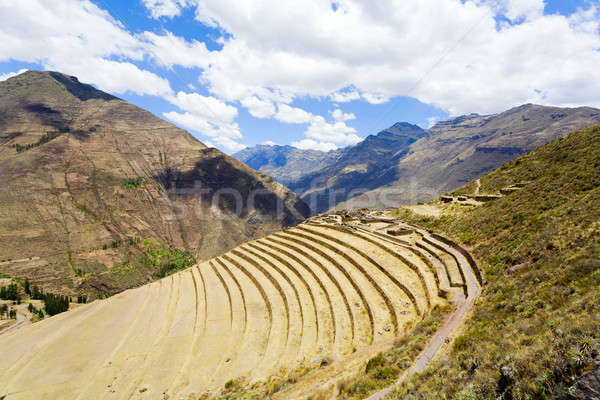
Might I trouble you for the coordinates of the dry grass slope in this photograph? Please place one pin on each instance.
(537, 327)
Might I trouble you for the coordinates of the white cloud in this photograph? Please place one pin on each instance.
(338, 132)
(270, 143)
(393, 48)
(517, 9)
(344, 97)
(202, 125)
(78, 38)
(208, 116)
(168, 50)
(309, 144)
(339, 115)
(258, 108)
(457, 58)
(210, 108)
(431, 121)
(327, 134)
(230, 146)
(113, 76)
(165, 8)
(4, 77)
(293, 115)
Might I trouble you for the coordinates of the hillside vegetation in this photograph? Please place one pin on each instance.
(536, 329)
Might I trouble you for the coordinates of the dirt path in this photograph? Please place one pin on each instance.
(20, 321)
(447, 331)
(478, 182)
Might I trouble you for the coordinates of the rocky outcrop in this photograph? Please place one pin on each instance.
(588, 386)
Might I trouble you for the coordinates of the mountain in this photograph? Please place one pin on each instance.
(99, 195)
(422, 164)
(368, 164)
(536, 331)
(286, 163)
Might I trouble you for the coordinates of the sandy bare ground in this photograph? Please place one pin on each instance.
(321, 292)
(271, 307)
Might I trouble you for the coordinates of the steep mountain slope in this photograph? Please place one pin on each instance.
(365, 166)
(99, 195)
(448, 155)
(537, 327)
(286, 163)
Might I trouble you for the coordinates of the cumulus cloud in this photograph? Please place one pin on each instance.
(517, 9)
(327, 134)
(113, 76)
(450, 54)
(168, 50)
(292, 115)
(338, 132)
(345, 96)
(309, 144)
(77, 38)
(258, 108)
(165, 8)
(208, 116)
(206, 107)
(454, 55)
(339, 115)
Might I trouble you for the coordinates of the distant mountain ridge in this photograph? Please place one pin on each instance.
(406, 164)
(99, 195)
(286, 163)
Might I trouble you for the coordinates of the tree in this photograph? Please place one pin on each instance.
(36, 293)
(3, 310)
(55, 303)
(27, 286)
(10, 292)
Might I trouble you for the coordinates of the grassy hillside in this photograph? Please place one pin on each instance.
(536, 328)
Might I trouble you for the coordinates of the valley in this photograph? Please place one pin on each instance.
(476, 278)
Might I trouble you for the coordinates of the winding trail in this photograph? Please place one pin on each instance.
(453, 323)
(478, 182)
(20, 321)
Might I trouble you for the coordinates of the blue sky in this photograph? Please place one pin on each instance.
(235, 73)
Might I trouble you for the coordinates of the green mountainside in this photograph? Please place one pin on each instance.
(536, 328)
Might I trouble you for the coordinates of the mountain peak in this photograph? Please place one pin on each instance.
(71, 84)
(406, 125)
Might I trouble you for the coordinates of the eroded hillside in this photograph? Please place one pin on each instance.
(99, 195)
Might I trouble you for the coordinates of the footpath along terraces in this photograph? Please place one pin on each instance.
(294, 300)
